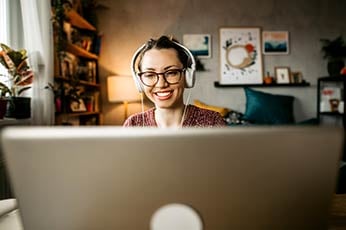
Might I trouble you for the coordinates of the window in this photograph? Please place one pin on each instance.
(3, 31)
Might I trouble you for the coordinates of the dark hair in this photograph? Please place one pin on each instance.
(165, 42)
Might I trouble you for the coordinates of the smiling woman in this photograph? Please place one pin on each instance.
(162, 69)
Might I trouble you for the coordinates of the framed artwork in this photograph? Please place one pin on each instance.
(275, 42)
(240, 55)
(198, 44)
(282, 75)
(78, 106)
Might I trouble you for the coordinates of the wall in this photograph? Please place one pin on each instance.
(127, 24)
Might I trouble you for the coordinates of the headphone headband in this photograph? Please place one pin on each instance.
(189, 73)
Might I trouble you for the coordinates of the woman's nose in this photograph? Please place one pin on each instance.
(162, 81)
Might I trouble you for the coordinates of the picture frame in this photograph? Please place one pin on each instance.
(282, 75)
(198, 44)
(275, 42)
(240, 55)
(78, 106)
(296, 77)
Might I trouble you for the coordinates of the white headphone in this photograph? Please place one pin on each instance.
(190, 77)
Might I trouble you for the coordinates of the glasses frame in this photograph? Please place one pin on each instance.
(164, 76)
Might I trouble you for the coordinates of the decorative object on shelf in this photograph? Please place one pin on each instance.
(78, 106)
(334, 105)
(122, 89)
(282, 75)
(18, 107)
(296, 77)
(268, 79)
(335, 52)
(343, 71)
(241, 57)
(275, 42)
(18, 80)
(198, 44)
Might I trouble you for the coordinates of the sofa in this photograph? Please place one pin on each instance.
(261, 109)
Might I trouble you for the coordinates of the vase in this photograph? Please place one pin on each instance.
(334, 67)
(18, 107)
(3, 107)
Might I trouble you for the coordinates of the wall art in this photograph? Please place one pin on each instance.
(198, 44)
(240, 55)
(275, 42)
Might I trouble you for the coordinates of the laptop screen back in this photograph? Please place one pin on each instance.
(116, 178)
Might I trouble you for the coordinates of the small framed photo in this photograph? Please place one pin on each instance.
(78, 106)
(275, 42)
(198, 44)
(282, 75)
(296, 77)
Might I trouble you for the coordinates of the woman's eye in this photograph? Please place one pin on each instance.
(149, 75)
(172, 73)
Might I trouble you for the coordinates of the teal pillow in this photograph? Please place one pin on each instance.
(266, 108)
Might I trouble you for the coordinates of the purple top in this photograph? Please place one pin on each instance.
(195, 116)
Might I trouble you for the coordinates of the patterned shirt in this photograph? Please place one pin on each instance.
(194, 117)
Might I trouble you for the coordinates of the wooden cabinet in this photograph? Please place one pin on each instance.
(76, 80)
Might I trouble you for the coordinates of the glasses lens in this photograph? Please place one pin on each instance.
(149, 78)
(173, 76)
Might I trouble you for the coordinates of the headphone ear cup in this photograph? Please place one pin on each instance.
(189, 78)
(138, 83)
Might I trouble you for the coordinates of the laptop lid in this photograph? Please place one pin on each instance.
(116, 178)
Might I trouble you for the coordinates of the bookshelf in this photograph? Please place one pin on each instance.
(76, 80)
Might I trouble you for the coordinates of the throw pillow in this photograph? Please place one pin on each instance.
(223, 111)
(266, 108)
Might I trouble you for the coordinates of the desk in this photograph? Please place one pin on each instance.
(337, 218)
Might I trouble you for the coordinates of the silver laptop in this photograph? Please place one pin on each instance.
(76, 178)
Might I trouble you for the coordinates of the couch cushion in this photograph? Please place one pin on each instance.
(222, 110)
(266, 108)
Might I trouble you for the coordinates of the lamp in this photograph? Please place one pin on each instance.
(122, 89)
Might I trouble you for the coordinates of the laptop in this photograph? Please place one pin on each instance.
(116, 178)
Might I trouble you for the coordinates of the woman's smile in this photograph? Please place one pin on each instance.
(164, 95)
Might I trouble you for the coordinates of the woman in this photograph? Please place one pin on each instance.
(163, 66)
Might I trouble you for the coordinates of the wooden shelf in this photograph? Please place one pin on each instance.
(78, 114)
(76, 20)
(81, 82)
(338, 78)
(78, 51)
(218, 85)
(331, 113)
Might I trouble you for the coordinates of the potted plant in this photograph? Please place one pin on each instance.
(335, 52)
(18, 80)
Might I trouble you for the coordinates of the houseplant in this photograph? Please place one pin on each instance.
(335, 52)
(19, 78)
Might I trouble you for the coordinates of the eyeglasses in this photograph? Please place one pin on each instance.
(151, 78)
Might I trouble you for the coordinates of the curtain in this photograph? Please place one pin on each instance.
(38, 40)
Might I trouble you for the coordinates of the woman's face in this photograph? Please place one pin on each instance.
(163, 94)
